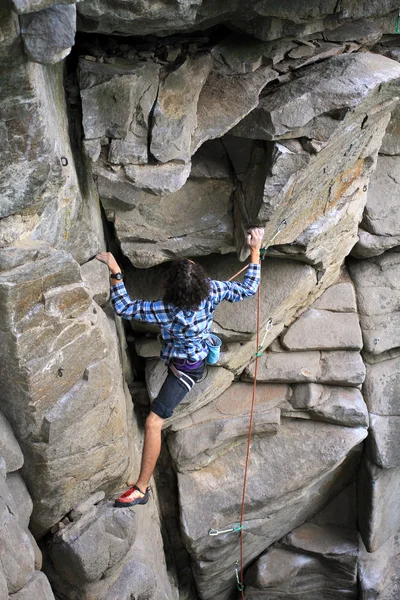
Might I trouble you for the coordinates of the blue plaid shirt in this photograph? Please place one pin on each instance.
(185, 332)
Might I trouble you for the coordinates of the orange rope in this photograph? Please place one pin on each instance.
(238, 273)
(253, 399)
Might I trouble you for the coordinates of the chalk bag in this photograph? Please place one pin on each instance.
(214, 346)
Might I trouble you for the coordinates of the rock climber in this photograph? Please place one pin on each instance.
(184, 316)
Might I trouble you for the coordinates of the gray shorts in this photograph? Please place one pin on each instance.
(174, 390)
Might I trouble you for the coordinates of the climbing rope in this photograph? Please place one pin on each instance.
(259, 351)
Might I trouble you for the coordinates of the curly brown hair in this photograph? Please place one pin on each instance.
(186, 285)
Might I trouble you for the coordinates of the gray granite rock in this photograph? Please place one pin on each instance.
(340, 297)
(195, 220)
(364, 31)
(160, 179)
(38, 588)
(30, 6)
(318, 329)
(381, 216)
(85, 550)
(225, 100)
(97, 277)
(378, 494)
(21, 497)
(198, 439)
(70, 399)
(285, 479)
(49, 34)
(174, 115)
(379, 570)
(384, 441)
(310, 563)
(333, 368)
(369, 245)
(116, 102)
(9, 447)
(391, 141)
(382, 387)
(378, 294)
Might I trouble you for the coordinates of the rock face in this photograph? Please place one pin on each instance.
(64, 345)
(166, 130)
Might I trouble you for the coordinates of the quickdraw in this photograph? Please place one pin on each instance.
(397, 27)
(230, 530)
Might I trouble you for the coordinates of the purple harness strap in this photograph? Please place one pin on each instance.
(186, 365)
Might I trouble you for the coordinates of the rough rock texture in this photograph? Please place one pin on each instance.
(50, 329)
(192, 121)
(310, 563)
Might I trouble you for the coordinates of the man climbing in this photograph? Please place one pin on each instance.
(184, 316)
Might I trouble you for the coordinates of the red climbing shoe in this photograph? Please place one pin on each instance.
(132, 496)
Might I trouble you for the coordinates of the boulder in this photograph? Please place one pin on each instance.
(378, 294)
(175, 110)
(49, 34)
(195, 220)
(21, 497)
(30, 6)
(384, 441)
(97, 277)
(70, 399)
(378, 494)
(85, 550)
(382, 388)
(391, 141)
(318, 329)
(382, 213)
(289, 479)
(9, 447)
(369, 245)
(225, 100)
(310, 563)
(340, 298)
(333, 368)
(335, 179)
(364, 31)
(379, 570)
(294, 106)
(116, 102)
(38, 588)
(344, 406)
(160, 179)
(206, 434)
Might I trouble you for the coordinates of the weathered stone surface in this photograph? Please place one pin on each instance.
(38, 588)
(160, 179)
(369, 245)
(174, 115)
(310, 563)
(50, 33)
(384, 441)
(29, 6)
(142, 571)
(378, 496)
(284, 479)
(225, 100)
(69, 400)
(9, 447)
(296, 104)
(97, 277)
(86, 549)
(377, 283)
(84, 507)
(340, 297)
(116, 102)
(391, 141)
(157, 229)
(321, 203)
(211, 431)
(382, 212)
(148, 347)
(382, 388)
(379, 571)
(324, 330)
(334, 368)
(363, 31)
(17, 556)
(21, 497)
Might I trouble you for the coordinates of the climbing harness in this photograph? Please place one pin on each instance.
(397, 27)
(259, 345)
